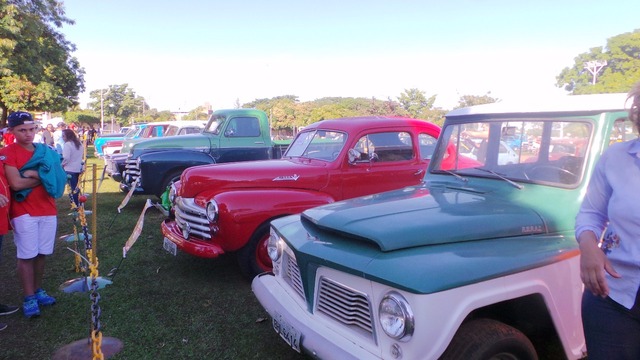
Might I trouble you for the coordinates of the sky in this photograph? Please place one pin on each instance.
(182, 54)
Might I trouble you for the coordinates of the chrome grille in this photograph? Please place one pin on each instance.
(345, 305)
(292, 275)
(131, 170)
(187, 212)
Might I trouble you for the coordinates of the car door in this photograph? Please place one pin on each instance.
(242, 140)
(389, 160)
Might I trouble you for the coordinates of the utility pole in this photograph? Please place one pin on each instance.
(594, 67)
(102, 108)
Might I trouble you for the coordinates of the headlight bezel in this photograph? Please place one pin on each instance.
(274, 246)
(212, 210)
(172, 194)
(402, 311)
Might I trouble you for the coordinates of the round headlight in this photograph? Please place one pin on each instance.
(212, 211)
(273, 246)
(172, 194)
(396, 317)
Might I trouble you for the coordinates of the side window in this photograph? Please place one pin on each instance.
(622, 131)
(243, 127)
(385, 147)
(427, 145)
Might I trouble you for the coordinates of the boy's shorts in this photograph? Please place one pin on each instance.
(34, 235)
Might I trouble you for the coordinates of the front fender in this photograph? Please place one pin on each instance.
(156, 166)
(240, 214)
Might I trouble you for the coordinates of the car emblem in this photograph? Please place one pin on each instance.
(186, 231)
(293, 177)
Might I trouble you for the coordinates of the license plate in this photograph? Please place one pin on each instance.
(170, 247)
(287, 332)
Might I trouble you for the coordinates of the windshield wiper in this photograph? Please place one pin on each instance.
(515, 184)
(461, 178)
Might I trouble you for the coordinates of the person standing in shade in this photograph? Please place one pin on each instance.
(36, 178)
(72, 160)
(47, 135)
(610, 268)
(4, 228)
(58, 143)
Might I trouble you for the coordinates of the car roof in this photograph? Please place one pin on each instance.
(357, 124)
(180, 123)
(558, 104)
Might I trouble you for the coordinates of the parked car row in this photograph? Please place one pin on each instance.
(389, 238)
(115, 160)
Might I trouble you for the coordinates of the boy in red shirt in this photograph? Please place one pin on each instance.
(4, 228)
(33, 218)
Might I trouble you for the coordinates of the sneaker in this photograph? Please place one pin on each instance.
(7, 309)
(3, 326)
(43, 298)
(30, 306)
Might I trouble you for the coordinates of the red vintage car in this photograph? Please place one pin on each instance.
(223, 208)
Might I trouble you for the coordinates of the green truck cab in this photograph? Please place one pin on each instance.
(230, 135)
(477, 262)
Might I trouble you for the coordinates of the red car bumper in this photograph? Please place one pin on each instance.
(192, 246)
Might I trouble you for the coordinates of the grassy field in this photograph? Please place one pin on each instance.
(159, 306)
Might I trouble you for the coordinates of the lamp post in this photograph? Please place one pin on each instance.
(102, 94)
(112, 127)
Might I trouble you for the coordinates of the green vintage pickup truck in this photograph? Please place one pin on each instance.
(230, 135)
(477, 262)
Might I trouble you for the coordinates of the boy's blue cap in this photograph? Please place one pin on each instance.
(19, 118)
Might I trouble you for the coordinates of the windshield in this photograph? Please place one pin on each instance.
(134, 133)
(536, 150)
(317, 144)
(130, 131)
(214, 124)
(172, 130)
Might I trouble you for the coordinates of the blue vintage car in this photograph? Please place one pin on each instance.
(101, 140)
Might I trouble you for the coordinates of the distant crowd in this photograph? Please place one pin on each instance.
(53, 136)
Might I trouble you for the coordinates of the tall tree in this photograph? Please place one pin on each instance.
(37, 71)
(121, 103)
(199, 113)
(471, 100)
(622, 69)
(415, 102)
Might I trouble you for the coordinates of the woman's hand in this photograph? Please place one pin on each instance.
(3, 201)
(593, 264)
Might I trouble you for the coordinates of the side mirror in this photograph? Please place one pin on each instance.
(354, 155)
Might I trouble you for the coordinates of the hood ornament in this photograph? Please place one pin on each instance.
(293, 177)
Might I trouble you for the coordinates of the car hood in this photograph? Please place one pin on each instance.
(422, 216)
(195, 142)
(282, 173)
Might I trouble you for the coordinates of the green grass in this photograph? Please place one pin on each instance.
(159, 306)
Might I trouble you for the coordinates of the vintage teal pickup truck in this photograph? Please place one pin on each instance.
(477, 262)
(229, 136)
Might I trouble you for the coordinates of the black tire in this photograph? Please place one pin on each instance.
(487, 339)
(252, 257)
(168, 181)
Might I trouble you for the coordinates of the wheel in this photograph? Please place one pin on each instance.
(487, 339)
(551, 173)
(253, 257)
(168, 181)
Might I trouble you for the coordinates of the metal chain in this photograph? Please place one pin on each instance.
(96, 334)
